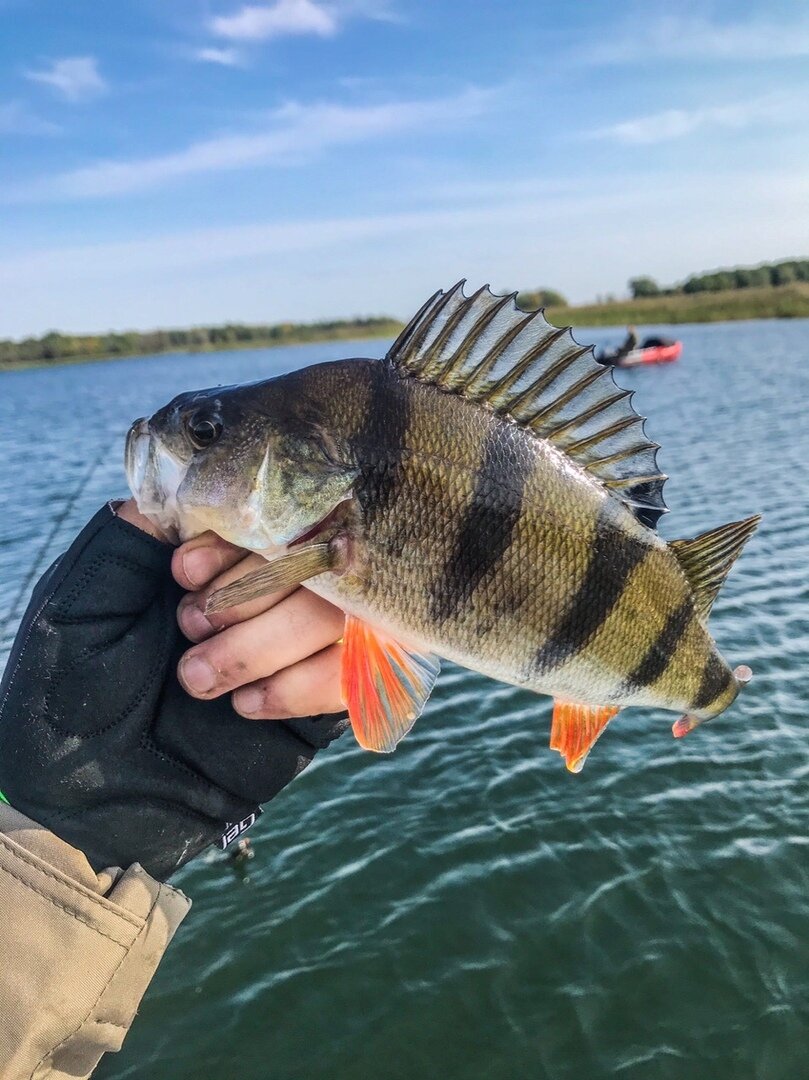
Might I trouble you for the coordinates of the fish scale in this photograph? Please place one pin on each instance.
(484, 493)
(445, 593)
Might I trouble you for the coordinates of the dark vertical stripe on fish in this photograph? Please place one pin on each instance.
(657, 657)
(383, 434)
(613, 558)
(485, 530)
(715, 680)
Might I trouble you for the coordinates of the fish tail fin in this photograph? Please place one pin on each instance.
(706, 560)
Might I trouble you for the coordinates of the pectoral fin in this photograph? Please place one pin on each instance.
(290, 569)
(575, 729)
(385, 685)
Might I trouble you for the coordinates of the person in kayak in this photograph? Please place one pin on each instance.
(614, 356)
(117, 767)
(630, 343)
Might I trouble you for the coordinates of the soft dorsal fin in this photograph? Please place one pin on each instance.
(515, 363)
(707, 559)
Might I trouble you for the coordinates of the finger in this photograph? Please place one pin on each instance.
(128, 511)
(297, 627)
(308, 688)
(197, 561)
(197, 626)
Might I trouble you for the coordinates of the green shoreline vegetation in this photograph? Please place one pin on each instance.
(56, 348)
(770, 291)
(774, 302)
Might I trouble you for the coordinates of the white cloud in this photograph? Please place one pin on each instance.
(75, 78)
(226, 57)
(17, 119)
(285, 17)
(378, 10)
(696, 38)
(295, 133)
(677, 123)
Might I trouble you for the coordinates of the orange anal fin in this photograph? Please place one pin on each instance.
(576, 727)
(385, 685)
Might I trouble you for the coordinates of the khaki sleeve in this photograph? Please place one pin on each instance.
(77, 951)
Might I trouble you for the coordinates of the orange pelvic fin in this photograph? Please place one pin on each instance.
(385, 685)
(576, 727)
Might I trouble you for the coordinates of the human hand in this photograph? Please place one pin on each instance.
(278, 655)
(100, 743)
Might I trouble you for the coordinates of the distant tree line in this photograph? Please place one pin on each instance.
(745, 277)
(540, 298)
(55, 347)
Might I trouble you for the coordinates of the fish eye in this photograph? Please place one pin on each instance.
(203, 429)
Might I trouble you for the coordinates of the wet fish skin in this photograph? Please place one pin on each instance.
(495, 502)
(475, 540)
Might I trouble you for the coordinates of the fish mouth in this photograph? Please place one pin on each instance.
(154, 476)
(136, 455)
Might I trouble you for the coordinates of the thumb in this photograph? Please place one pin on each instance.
(128, 511)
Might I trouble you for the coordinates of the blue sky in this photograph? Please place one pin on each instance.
(198, 161)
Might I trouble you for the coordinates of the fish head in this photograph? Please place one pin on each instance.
(253, 463)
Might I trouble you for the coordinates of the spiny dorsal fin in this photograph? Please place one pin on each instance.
(486, 349)
(707, 559)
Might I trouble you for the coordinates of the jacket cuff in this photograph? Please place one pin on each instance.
(77, 951)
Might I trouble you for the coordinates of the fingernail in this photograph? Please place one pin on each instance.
(200, 565)
(197, 674)
(193, 622)
(248, 701)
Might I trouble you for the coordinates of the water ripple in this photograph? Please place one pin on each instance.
(466, 907)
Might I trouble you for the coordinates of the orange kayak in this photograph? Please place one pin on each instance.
(653, 354)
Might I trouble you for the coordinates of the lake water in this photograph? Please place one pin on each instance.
(465, 908)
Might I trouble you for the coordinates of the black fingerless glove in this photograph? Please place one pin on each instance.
(98, 740)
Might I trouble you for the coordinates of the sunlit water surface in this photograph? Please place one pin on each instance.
(465, 908)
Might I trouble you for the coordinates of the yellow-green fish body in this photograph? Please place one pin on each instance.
(485, 493)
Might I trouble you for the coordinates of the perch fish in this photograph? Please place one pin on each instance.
(484, 493)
